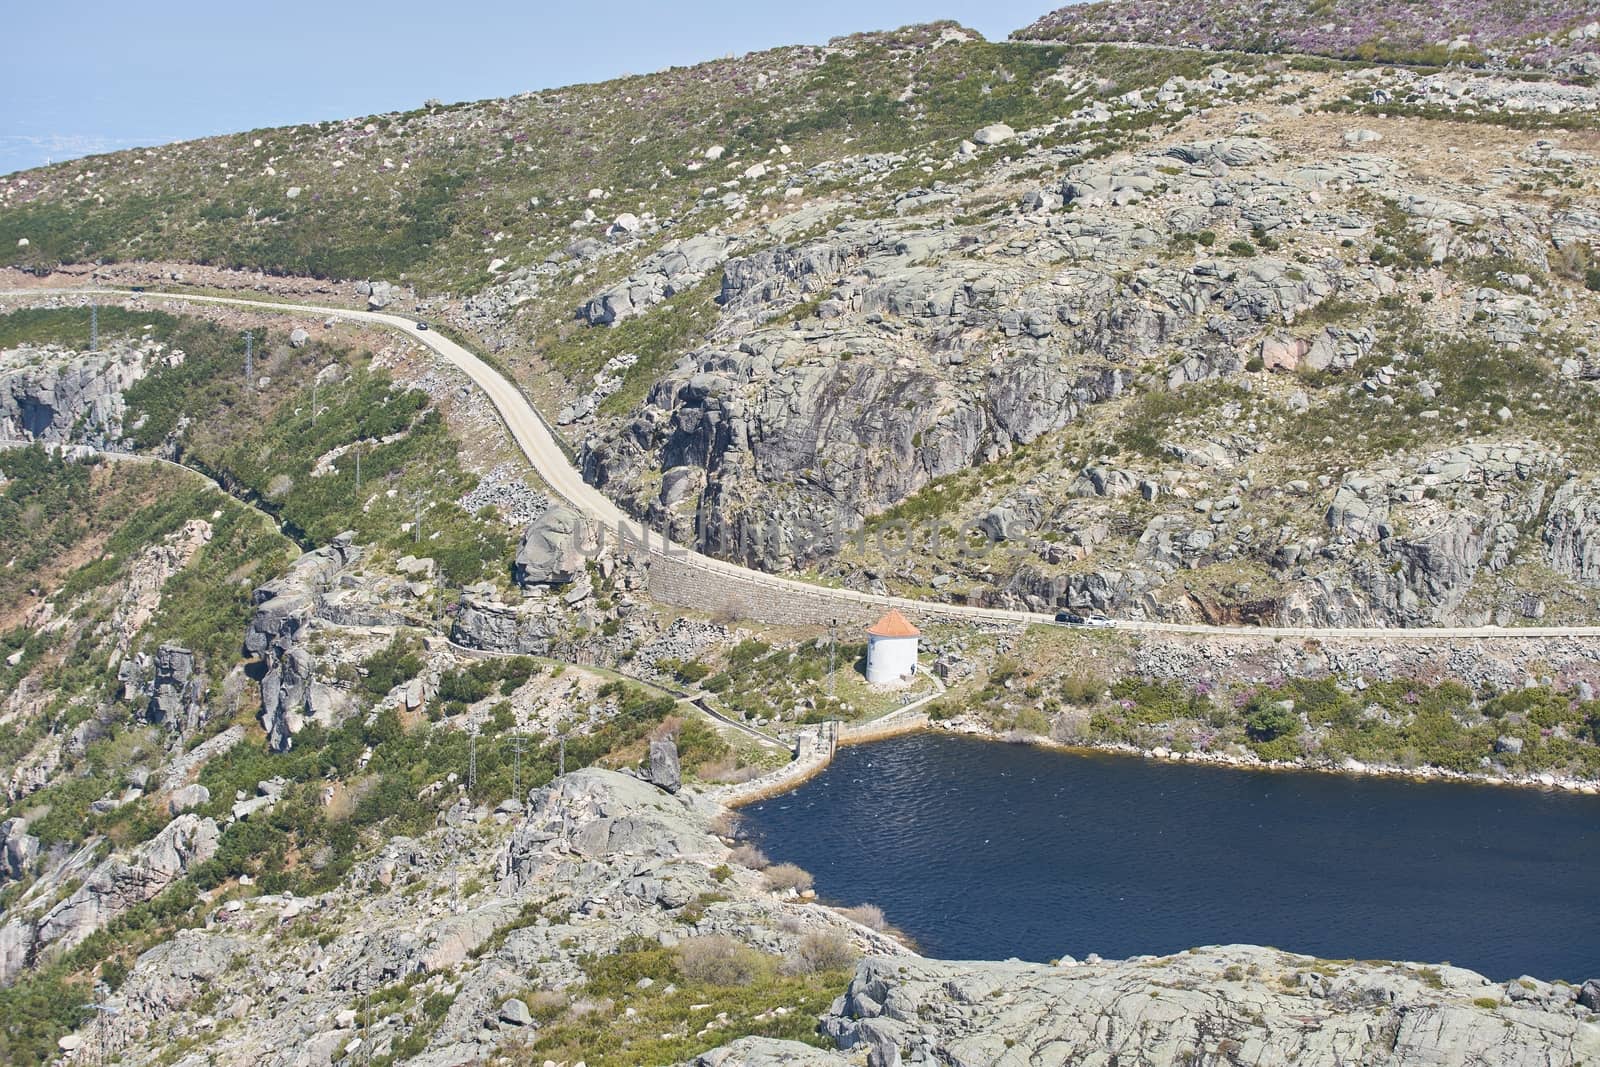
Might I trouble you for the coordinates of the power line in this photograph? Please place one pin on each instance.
(833, 658)
(518, 743)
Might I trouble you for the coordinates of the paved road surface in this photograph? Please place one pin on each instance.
(538, 443)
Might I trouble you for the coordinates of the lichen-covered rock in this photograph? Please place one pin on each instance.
(554, 548)
(284, 609)
(119, 883)
(175, 690)
(1230, 1004)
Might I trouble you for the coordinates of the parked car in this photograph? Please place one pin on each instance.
(1099, 620)
(1071, 618)
(422, 326)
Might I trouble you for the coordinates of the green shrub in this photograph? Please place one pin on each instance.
(393, 665)
(1268, 720)
(1031, 721)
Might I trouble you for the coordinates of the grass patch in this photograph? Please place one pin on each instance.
(669, 1027)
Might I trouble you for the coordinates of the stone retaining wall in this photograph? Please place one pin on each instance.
(675, 580)
(814, 750)
(1481, 664)
(860, 733)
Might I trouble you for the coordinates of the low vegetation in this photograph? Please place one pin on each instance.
(1403, 724)
(760, 680)
(708, 991)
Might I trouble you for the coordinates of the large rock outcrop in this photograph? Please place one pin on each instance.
(18, 850)
(677, 266)
(61, 397)
(113, 887)
(284, 609)
(1235, 1004)
(176, 689)
(554, 548)
(604, 815)
(1571, 532)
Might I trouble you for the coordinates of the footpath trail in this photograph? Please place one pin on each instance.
(538, 443)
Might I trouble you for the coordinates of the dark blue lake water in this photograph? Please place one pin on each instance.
(981, 850)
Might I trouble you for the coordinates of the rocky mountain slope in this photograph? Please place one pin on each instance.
(612, 925)
(1205, 318)
(1256, 365)
(1543, 34)
(1108, 311)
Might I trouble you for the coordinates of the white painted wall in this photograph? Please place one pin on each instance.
(890, 659)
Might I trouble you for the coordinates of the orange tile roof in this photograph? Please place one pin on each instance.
(893, 624)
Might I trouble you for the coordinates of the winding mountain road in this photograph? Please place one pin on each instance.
(538, 442)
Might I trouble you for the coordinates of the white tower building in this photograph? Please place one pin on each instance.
(891, 649)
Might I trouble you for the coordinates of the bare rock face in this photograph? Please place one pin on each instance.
(483, 621)
(18, 849)
(17, 938)
(602, 814)
(1572, 532)
(1416, 540)
(176, 690)
(1236, 1003)
(113, 887)
(60, 398)
(768, 1052)
(678, 265)
(284, 609)
(554, 549)
(664, 769)
(175, 972)
(284, 691)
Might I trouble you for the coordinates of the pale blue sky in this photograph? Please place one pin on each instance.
(98, 75)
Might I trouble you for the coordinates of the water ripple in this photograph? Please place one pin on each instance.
(982, 850)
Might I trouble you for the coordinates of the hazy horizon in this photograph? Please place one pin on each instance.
(197, 71)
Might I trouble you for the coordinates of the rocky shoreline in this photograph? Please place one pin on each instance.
(488, 914)
(972, 727)
(818, 755)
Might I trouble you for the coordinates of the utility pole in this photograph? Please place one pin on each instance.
(518, 742)
(105, 1013)
(358, 464)
(472, 757)
(94, 327)
(249, 360)
(313, 401)
(562, 764)
(833, 658)
(701, 541)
